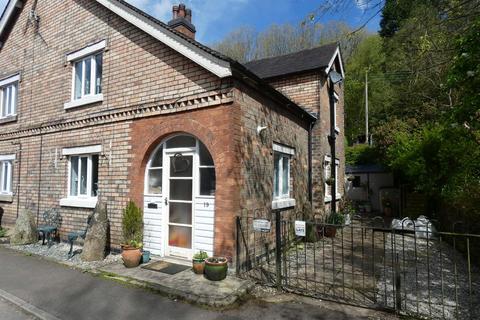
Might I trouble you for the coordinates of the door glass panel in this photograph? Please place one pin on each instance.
(83, 175)
(181, 166)
(74, 177)
(181, 142)
(180, 237)
(180, 213)
(155, 181)
(181, 190)
(207, 181)
(205, 157)
(157, 160)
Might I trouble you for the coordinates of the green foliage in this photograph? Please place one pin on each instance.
(3, 232)
(336, 219)
(361, 154)
(202, 255)
(132, 225)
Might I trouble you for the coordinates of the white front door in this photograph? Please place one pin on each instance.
(179, 183)
(179, 199)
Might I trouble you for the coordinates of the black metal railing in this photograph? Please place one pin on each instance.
(411, 270)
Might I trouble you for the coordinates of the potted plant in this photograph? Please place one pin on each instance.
(216, 268)
(334, 221)
(132, 227)
(198, 262)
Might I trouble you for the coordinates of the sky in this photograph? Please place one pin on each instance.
(214, 19)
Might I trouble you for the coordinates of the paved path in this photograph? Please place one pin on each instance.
(9, 311)
(72, 295)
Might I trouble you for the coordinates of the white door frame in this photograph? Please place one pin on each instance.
(178, 252)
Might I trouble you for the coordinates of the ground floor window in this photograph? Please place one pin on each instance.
(82, 185)
(83, 177)
(282, 185)
(328, 177)
(6, 174)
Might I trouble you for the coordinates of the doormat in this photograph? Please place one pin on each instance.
(166, 267)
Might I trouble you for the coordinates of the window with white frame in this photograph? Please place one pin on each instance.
(87, 75)
(9, 96)
(335, 106)
(82, 188)
(83, 176)
(328, 177)
(6, 174)
(282, 156)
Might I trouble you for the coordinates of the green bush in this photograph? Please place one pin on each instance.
(132, 225)
(336, 219)
(3, 232)
(361, 154)
(202, 255)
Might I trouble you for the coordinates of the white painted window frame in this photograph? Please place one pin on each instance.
(10, 82)
(80, 56)
(81, 200)
(284, 199)
(6, 167)
(327, 175)
(335, 114)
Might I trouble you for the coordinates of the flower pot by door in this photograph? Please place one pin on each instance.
(131, 256)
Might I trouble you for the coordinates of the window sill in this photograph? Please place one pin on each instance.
(283, 203)
(329, 198)
(89, 203)
(6, 197)
(83, 101)
(8, 119)
(337, 130)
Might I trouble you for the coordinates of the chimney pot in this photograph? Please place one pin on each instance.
(182, 20)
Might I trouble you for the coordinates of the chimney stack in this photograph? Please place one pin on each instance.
(182, 20)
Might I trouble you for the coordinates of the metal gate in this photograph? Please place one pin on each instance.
(410, 271)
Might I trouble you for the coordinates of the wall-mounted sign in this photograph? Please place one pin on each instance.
(300, 228)
(262, 225)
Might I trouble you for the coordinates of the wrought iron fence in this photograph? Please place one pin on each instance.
(414, 271)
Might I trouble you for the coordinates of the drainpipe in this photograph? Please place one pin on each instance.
(332, 140)
(19, 161)
(39, 175)
(310, 184)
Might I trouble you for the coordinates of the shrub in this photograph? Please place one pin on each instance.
(202, 255)
(3, 232)
(132, 225)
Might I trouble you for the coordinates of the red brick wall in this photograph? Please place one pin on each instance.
(216, 127)
(310, 91)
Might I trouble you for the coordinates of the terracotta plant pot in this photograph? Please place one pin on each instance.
(329, 231)
(216, 268)
(131, 256)
(198, 266)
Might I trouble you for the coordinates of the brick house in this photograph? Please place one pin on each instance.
(101, 101)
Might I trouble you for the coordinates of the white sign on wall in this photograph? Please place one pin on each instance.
(262, 225)
(300, 228)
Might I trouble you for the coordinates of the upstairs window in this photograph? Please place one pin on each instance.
(88, 76)
(6, 174)
(9, 96)
(87, 73)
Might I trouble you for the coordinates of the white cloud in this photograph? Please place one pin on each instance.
(363, 4)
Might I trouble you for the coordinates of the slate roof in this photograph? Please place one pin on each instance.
(310, 59)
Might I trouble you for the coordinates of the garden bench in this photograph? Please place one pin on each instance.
(72, 236)
(49, 228)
